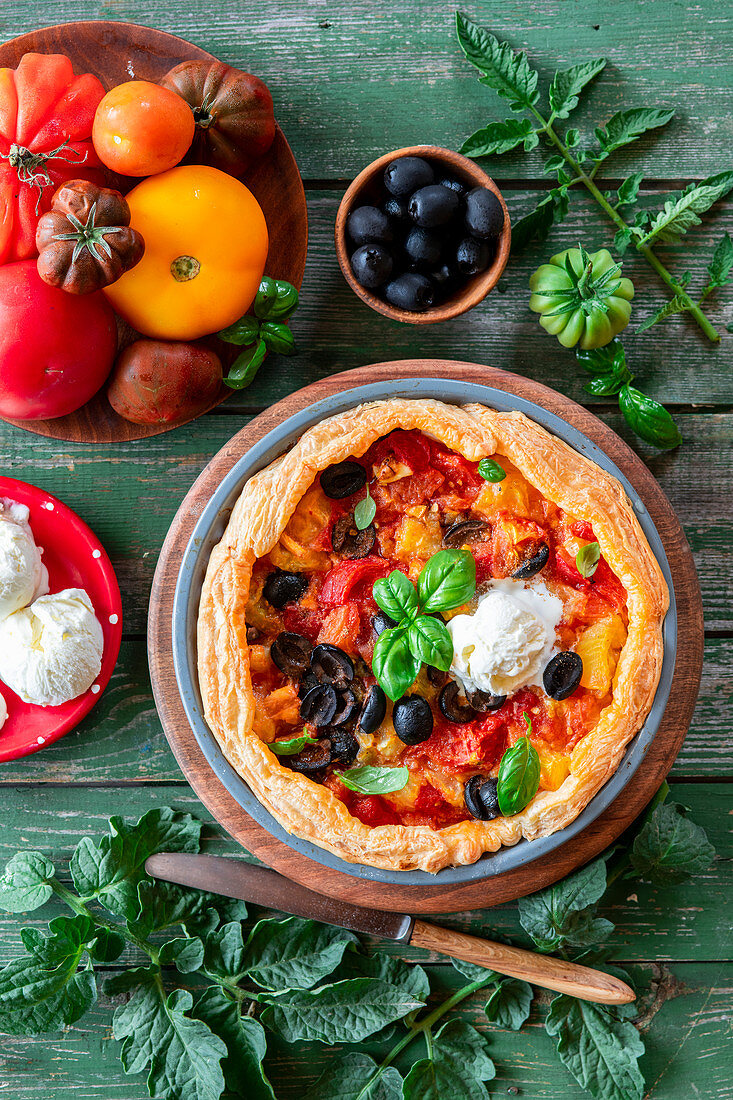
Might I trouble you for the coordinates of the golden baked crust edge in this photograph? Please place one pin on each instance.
(263, 509)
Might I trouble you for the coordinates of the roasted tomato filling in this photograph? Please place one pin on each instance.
(316, 585)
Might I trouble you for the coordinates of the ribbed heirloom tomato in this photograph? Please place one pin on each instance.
(205, 250)
(141, 129)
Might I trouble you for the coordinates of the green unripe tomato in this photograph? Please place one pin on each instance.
(581, 298)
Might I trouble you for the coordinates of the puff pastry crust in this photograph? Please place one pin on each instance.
(563, 476)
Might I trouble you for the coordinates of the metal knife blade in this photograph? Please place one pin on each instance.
(261, 886)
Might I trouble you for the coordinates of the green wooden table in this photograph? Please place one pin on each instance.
(350, 81)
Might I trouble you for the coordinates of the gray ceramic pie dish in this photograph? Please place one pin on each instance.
(209, 530)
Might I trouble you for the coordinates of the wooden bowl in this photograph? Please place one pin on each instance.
(368, 187)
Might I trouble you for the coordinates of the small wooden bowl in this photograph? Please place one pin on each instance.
(368, 187)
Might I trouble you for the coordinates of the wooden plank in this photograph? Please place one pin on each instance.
(689, 922)
(683, 1017)
(326, 66)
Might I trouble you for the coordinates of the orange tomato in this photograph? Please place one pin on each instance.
(205, 250)
(141, 129)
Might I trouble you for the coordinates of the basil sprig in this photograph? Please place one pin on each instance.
(447, 580)
(291, 745)
(519, 775)
(587, 558)
(365, 511)
(365, 779)
(275, 301)
(490, 470)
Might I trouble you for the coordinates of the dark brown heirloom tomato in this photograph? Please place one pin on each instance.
(157, 382)
(349, 541)
(85, 242)
(235, 123)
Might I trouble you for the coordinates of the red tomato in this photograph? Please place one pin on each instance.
(373, 811)
(408, 446)
(583, 530)
(141, 129)
(56, 349)
(343, 581)
(46, 116)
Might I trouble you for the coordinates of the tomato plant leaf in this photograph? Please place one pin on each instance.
(458, 1068)
(535, 226)
(599, 1046)
(500, 137)
(357, 1007)
(25, 882)
(507, 72)
(680, 213)
(719, 268)
(293, 953)
(563, 913)
(627, 126)
(165, 905)
(670, 847)
(347, 1077)
(388, 968)
(245, 1041)
(567, 85)
(509, 1004)
(628, 192)
(674, 305)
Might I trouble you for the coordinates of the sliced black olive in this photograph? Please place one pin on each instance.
(308, 681)
(374, 710)
(481, 799)
(382, 622)
(344, 746)
(562, 675)
(413, 719)
(465, 531)
(451, 706)
(348, 540)
(343, 479)
(484, 701)
(534, 564)
(253, 634)
(319, 705)
(281, 587)
(345, 706)
(331, 665)
(311, 760)
(436, 676)
(291, 653)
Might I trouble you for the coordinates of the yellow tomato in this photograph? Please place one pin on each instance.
(205, 251)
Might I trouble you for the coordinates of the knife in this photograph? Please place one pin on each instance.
(261, 886)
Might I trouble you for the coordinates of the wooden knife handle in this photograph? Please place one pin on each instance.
(543, 970)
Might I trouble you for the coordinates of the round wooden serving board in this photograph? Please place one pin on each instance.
(117, 52)
(441, 897)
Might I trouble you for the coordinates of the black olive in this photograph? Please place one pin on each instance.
(413, 719)
(412, 291)
(319, 705)
(348, 540)
(406, 174)
(473, 256)
(367, 225)
(311, 760)
(382, 622)
(466, 531)
(372, 265)
(454, 184)
(374, 710)
(451, 707)
(343, 479)
(562, 675)
(344, 746)
(345, 706)
(435, 676)
(331, 664)
(484, 213)
(291, 653)
(281, 587)
(432, 206)
(396, 210)
(308, 682)
(481, 798)
(533, 565)
(423, 247)
(484, 701)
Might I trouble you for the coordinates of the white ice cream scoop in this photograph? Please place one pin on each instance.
(51, 652)
(3, 710)
(23, 576)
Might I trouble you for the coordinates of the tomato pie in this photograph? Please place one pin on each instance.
(429, 631)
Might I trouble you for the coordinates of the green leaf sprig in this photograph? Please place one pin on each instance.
(509, 73)
(290, 745)
(587, 558)
(304, 981)
(365, 511)
(519, 774)
(447, 580)
(365, 779)
(274, 303)
(490, 470)
(611, 375)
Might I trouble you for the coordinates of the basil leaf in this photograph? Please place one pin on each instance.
(245, 1042)
(459, 1065)
(499, 137)
(507, 72)
(609, 362)
(509, 1004)
(587, 558)
(395, 595)
(649, 419)
(431, 642)
(278, 338)
(286, 301)
(490, 470)
(364, 512)
(244, 368)
(680, 213)
(628, 126)
(519, 777)
(599, 1046)
(266, 297)
(244, 331)
(447, 580)
(669, 847)
(293, 953)
(567, 85)
(368, 780)
(393, 664)
(358, 1007)
(292, 744)
(25, 882)
(348, 1075)
(563, 913)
